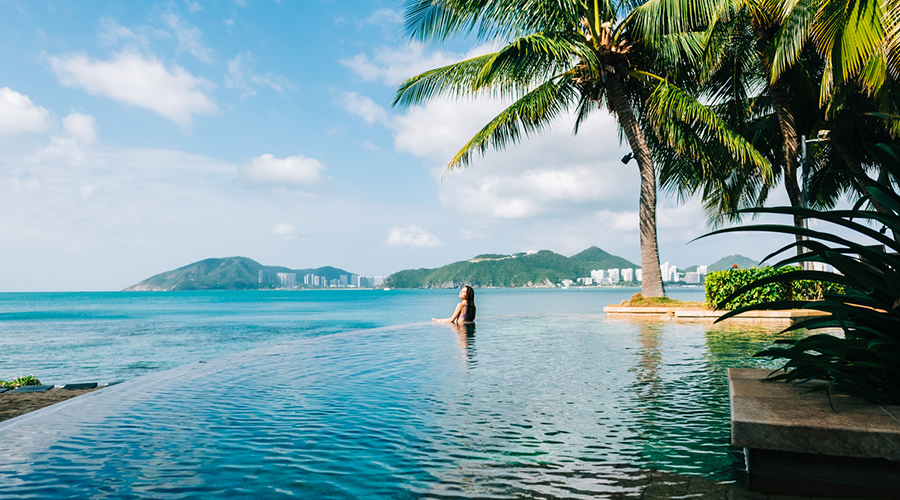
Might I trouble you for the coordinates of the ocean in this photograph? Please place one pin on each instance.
(112, 336)
(339, 394)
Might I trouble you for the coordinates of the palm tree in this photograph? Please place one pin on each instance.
(770, 85)
(575, 55)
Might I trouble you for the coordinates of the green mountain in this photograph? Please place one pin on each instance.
(595, 258)
(727, 262)
(521, 269)
(230, 273)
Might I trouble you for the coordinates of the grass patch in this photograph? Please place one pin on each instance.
(638, 300)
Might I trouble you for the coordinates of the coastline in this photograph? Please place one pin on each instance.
(14, 404)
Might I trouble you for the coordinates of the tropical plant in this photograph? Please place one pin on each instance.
(19, 382)
(865, 361)
(720, 285)
(763, 76)
(578, 56)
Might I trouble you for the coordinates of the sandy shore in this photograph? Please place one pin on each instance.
(20, 403)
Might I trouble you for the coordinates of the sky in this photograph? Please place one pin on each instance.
(137, 137)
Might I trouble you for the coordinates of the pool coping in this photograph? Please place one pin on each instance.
(698, 314)
(797, 443)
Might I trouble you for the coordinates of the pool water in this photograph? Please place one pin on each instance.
(549, 406)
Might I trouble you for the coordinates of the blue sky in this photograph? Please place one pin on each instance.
(137, 137)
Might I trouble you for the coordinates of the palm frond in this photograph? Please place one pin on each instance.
(670, 104)
(529, 114)
(509, 72)
(796, 17)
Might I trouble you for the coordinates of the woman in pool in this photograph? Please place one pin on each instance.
(465, 311)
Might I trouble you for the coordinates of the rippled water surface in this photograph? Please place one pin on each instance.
(101, 337)
(533, 406)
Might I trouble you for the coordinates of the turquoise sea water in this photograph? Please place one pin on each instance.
(101, 337)
(545, 398)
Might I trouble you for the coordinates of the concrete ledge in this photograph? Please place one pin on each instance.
(702, 315)
(797, 444)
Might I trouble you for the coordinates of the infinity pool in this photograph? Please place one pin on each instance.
(568, 406)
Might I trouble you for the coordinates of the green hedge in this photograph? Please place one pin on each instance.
(721, 284)
(19, 382)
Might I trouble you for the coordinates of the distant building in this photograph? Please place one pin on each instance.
(597, 275)
(287, 280)
(628, 274)
(369, 281)
(264, 277)
(345, 280)
(612, 275)
(702, 269)
(586, 281)
(315, 281)
(693, 278)
(821, 266)
(639, 275)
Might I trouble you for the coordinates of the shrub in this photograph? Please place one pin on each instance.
(19, 382)
(866, 360)
(720, 285)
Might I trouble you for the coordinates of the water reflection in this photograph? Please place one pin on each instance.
(466, 335)
(648, 382)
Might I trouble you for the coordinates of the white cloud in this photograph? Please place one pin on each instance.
(393, 65)
(293, 171)
(111, 33)
(285, 230)
(411, 236)
(441, 127)
(241, 76)
(19, 114)
(194, 7)
(142, 82)
(384, 17)
(81, 127)
(364, 107)
(188, 37)
(549, 173)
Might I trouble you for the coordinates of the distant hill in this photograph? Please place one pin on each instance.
(726, 263)
(542, 268)
(595, 258)
(230, 273)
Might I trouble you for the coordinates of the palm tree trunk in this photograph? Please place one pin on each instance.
(651, 284)
(791, 140)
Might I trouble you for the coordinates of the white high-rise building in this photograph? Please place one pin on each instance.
(597, 275)
(821, 266)
(613, 275)
(628, 274)
(287, 280)
(702, 269)
(639, 275)
(673, 273)
(664, 271)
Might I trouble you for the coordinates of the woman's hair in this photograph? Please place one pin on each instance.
(470, 294)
